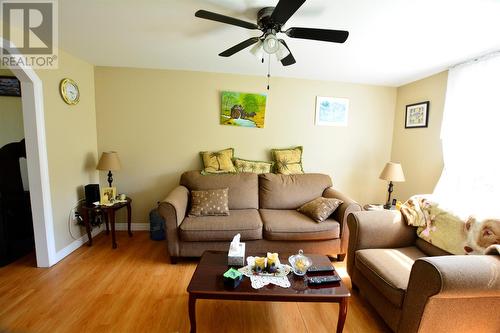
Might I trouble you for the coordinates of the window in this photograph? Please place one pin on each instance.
(470, 182)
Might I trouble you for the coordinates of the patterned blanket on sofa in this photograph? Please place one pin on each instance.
(446, 230)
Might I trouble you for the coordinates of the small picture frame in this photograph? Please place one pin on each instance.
(108, 195)
(417, 115)
(10, 86)
(331, 111)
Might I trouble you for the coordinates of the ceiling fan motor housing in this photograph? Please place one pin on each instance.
(264, 20)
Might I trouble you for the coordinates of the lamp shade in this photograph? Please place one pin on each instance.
(109, 161)
(393, 172)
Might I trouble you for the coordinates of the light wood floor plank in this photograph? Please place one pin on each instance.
(135, 289)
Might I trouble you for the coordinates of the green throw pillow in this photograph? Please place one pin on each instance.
(252, 166)
(288, 161)
(218, 161)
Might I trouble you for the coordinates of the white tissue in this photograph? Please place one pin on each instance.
(235, 244)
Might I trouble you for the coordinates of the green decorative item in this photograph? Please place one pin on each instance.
(243, 109)
(232, 278)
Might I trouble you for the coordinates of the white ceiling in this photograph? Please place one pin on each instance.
(391, 42)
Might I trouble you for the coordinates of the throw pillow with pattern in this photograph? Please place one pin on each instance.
(242, 165)
(209, 203)
(288, 161)
(320, 208)
(218, 161)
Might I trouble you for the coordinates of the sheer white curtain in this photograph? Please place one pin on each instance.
(470, 182)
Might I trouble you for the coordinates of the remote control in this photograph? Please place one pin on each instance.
(316, 280)
(321, 269)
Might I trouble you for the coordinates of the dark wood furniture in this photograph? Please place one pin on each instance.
(16, 223)
(207, 283)
(108, 212)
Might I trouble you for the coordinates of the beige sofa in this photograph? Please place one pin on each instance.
(262, 209)
(417, 287)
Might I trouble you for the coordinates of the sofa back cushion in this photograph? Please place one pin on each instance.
(290, 191)
(430, 249)
(243, 187)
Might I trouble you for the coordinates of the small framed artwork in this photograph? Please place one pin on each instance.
(108, 195)
(10, 86)
(417, 115)
(331, 111)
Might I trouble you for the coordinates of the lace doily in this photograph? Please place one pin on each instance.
(260, 280)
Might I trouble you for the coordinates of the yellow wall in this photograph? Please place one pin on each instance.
(158, 121)
(419, 149)
(71, 140)
(11, 116)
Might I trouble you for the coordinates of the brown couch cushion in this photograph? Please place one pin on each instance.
(430, 249)
(243, 187)
(290, 191)
(247, 222)
(388, 269)
(291, 225)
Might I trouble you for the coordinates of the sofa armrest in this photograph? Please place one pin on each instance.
(173, 210)
(348, 206)
(377, 229)
(435, 281)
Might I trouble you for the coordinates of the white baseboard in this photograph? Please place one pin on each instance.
(133, 226)
(61, 254)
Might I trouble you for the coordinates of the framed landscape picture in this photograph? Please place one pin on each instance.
(331, 111)
(417, 115)
(10, 86)
(243, 109)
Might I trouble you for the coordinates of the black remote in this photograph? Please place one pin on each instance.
(316, 280)
(321, 269)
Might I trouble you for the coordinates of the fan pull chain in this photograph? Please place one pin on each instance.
(268, 70)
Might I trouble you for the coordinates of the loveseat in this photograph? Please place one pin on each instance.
(417, 287)
(262, 208)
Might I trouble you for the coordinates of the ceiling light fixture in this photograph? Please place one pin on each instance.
(258, 51)
(271, 43)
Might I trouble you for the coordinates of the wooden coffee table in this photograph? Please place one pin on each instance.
(207, 283)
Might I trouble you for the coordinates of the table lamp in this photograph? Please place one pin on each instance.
(109, 161)
(393, 172)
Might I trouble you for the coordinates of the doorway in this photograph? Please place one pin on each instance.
(37, 163)
(16, 226)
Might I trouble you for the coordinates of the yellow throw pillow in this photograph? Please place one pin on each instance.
(218, 161)
(242, 165)
(320, 208)
(209, 203)
(288, 161)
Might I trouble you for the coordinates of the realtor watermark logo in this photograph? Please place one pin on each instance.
(30, 34)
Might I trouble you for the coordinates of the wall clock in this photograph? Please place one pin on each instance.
(69, 91)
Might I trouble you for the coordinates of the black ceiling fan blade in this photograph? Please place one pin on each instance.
(284, 10)
(238, 47)
(335, 36)
(289, 59)
(225, 19)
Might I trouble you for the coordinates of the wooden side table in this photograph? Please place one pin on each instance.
(109, 216)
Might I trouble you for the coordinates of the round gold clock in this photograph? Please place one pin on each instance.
(69, 91)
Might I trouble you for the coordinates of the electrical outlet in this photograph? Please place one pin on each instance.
(78, 219)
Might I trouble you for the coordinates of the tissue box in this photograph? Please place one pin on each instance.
(236, 257)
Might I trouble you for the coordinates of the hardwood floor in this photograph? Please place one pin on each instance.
(135, 289)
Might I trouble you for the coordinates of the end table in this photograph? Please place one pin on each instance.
(377, 207)
(109, 216)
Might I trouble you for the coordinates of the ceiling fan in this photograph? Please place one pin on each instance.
(270, 21)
